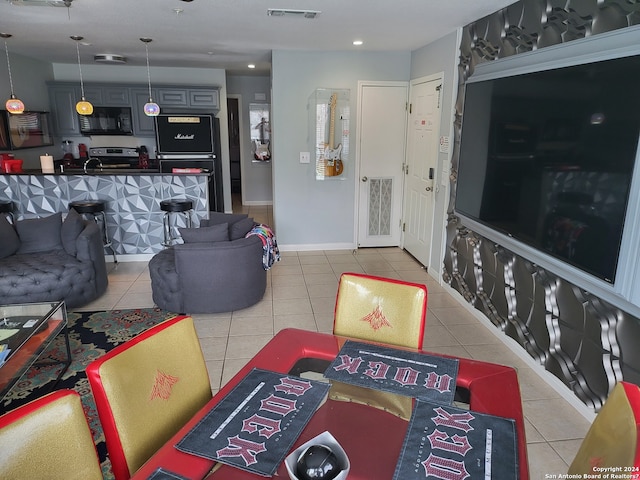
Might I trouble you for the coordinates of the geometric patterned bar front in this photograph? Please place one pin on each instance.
(587, 343)
(134, 218)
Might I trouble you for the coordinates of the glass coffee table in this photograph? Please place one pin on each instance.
(26, 330)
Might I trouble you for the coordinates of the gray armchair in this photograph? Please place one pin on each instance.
(210, 275)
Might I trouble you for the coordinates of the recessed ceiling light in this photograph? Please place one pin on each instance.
(109, 58)
(251, 65)
(281, 12)
(358, 42)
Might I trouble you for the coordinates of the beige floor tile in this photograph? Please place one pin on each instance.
(320, 279)
(314, 260)
(496, 353)
(290, 291)
(214, 367)
(323, 291)
(473, 334)
(455, 315)
(303, 321)
(435, 336)
(105, 302)
(323, 305)
(286, 270)
(317, 268)
(544, 462)
(231, 367)
(340, 268)
(532, 435)
(214, 348)
(246, 346)
(453, 350)
(567, 449)
(555, 419)
(292, 306)
(257, 325)
(264, 308)
(287, 280)
(532, 387)
(324, 322)
(212, 325)
(442, 300)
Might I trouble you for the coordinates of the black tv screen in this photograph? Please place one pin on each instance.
(547, 158)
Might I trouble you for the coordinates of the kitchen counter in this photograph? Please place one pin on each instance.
(133, 197)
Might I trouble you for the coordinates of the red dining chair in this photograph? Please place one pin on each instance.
(612, 441)
(48, 438)
(146, 389)
(380, 309)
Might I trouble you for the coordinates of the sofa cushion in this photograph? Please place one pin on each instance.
(240, 228)
(9, 240)
(216, 218)
(216, 233)
(72, 225)
(40, 234)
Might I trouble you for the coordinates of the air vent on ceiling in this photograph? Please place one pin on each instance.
(42, 3)
(280, 12)
(109, 58)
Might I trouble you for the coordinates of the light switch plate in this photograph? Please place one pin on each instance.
(305, 157)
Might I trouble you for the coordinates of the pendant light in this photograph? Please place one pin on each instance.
(151, 108)
(14, 105)
(83, 107)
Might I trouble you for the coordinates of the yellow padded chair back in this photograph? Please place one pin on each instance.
(380, 309)
(48, 438)
(146, 389)
(612, 440)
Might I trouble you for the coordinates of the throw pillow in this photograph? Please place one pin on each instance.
(72, 225)
(216, 218)
(9, 241)
(216, 233)
(241, 228)
(40, 234)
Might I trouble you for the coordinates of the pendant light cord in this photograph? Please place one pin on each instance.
(80, 68)
(6, 49)
(146, 49)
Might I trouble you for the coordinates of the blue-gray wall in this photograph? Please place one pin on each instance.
(312, 214)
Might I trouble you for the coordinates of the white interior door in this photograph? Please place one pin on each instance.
(422, 157)
(382, 120)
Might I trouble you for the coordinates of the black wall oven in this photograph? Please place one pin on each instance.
(191, 140)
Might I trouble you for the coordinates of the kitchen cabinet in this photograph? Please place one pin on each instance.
(189, 97)
(63, 99)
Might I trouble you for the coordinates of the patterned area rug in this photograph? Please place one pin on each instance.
(91, 334)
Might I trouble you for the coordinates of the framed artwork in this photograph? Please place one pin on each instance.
(260, 131)
(27, 130)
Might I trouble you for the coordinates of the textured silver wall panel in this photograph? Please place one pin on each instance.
(134, 219)
(586, 342)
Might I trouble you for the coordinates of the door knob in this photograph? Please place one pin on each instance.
(428, 189)
(364, 179)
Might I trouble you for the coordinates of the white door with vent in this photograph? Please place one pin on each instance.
(382, 120)
(422, 160)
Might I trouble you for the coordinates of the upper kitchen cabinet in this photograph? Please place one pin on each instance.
(63, 99)
(143, 125)
(64, 96)
(191, 97)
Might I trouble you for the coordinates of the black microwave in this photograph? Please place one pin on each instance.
(107, 121)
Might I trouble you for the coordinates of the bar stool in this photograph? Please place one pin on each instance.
(170, 207)
(6, 207)
(95, 208)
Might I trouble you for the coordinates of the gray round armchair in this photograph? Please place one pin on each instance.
(216, 270)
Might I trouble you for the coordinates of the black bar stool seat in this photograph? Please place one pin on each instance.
(96, 208)
(170, 207)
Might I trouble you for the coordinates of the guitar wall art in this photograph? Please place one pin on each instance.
(331, 152)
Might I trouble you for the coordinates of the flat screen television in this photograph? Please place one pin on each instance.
(547, 158)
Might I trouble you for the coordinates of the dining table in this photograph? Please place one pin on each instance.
(371, 437)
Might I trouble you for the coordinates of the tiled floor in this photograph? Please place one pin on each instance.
(301, 292)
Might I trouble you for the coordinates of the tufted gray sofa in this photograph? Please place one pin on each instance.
(45, 259)
(210, 275)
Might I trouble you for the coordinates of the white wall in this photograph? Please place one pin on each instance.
(311, 214)
(256, 176)
(438, 57)
(29, 85)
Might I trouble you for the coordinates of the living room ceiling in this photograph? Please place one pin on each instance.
(227, 34)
